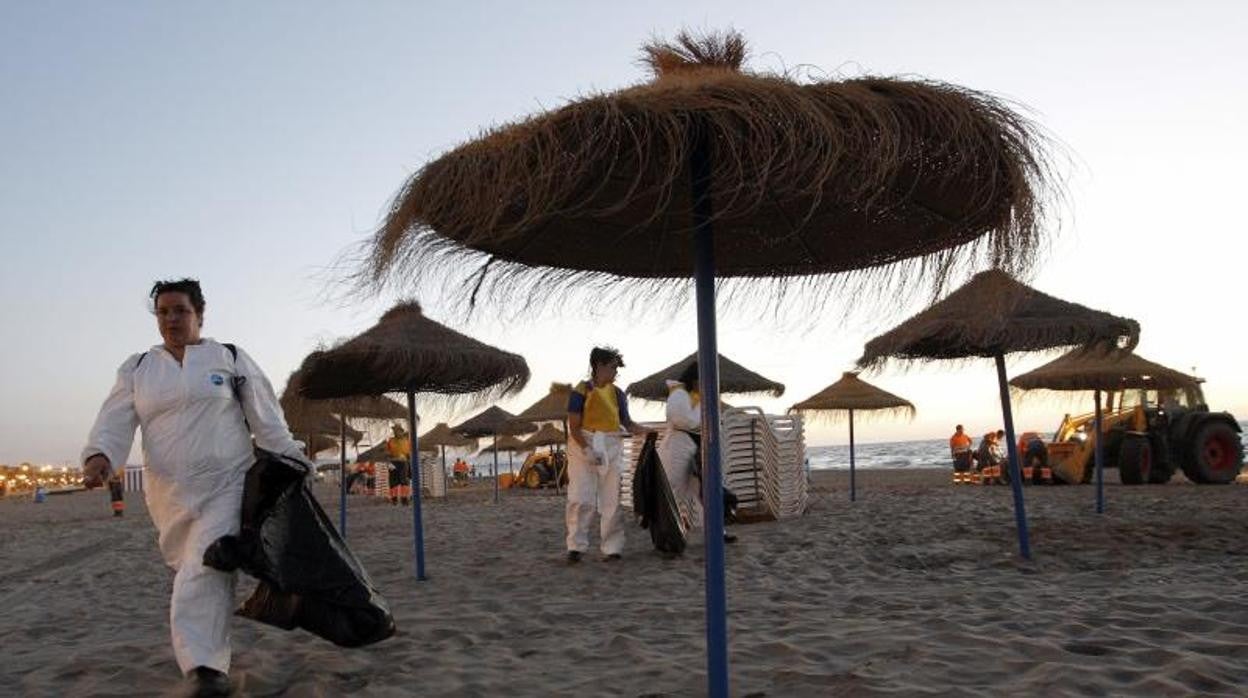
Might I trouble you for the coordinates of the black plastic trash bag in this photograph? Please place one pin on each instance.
(308, 577)
(653, 502)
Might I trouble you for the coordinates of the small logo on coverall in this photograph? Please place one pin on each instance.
(217, 379)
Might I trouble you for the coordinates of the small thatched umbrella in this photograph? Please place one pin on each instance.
(494, 422)
(552, 407)
(734, 379)
(407, 352)
(711, 169)
(991, 316)
(1112, 371)
(441, 437)
(302, 410)
(511, 445)
(846, 395)
(548, 435)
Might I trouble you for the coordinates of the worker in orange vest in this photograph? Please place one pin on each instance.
(399, 449)
(960, 450)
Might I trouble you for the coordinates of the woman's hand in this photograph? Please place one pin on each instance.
(96, 471)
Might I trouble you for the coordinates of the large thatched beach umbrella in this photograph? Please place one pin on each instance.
(1114, 370)
(846, 395)
(991, 316)
(734, 379)
(551, 407)
(709, 169)
(494, 422)
(407, 352)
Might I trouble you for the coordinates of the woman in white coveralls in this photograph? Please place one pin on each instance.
(197, 448)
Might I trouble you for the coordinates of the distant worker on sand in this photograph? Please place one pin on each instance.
(398, 450)
(960, 450)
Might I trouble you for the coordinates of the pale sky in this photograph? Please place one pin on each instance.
(247, 144)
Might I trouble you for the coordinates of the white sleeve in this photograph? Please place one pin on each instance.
(680, 411)
(264, 413)
(113, 432)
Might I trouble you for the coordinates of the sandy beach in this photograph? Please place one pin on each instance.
(914, 589)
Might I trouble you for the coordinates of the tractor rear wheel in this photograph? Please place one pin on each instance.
(533, 479)
(1163, 464)
(1215, 455)
(1135, 459)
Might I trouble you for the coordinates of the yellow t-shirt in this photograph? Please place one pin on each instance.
(602, 409)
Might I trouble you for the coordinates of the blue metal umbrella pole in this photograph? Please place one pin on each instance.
(1100, 457)
(708, 381)
(853, 495)
(496, 467)
(418, 530)
(1016, 473)
(342, 477)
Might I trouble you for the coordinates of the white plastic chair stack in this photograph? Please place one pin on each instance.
(381, 480)
(763, 461)
(432, 476)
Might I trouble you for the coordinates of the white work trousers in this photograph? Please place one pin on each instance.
(595, 488)
(203, 598)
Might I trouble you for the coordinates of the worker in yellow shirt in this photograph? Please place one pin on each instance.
(597, 421)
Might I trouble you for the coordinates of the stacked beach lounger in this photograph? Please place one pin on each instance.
(764, 464)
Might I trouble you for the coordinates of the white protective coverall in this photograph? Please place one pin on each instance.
(197, 450)
(595, 488)
(676, 450)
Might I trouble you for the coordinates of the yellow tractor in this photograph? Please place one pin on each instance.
(540, 470)
(1148, 435)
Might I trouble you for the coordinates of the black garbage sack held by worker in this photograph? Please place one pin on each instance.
(308, 577)
(653, 502)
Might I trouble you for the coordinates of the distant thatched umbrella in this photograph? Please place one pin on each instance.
(494, 422)
(553, 406)
(1113, 371)
(991, 316)
(548, 435)
(441, 436)
(799, 179)
(734, 379)
(509, 444)
(407, 352)
(846, 395)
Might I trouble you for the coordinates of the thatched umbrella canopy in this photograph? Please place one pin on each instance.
(440, 437)
(548, 435)
(407, 352)
(734, 379)
(995, 314)
(1113, 370)
(508, 443)
(552, 406)
(494, 422)
(848, 394)
(380, 453)
(712, 170)
(1101, 370)
(991, 316)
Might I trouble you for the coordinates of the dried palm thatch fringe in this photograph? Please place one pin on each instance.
(494, 421)
(995, 314)
(407, 351)
(1086, 370)
(505, 443)
(553, 406)
(874, 183)
(305, 416)
(548, 435)
(852, 393)
(734, 379)
(441, 435)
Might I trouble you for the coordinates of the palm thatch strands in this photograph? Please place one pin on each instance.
(848, 394)
(1098, 370)
(991, 316)
(777, 179)
(734, 379)
(494, 422)
(407, 352)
